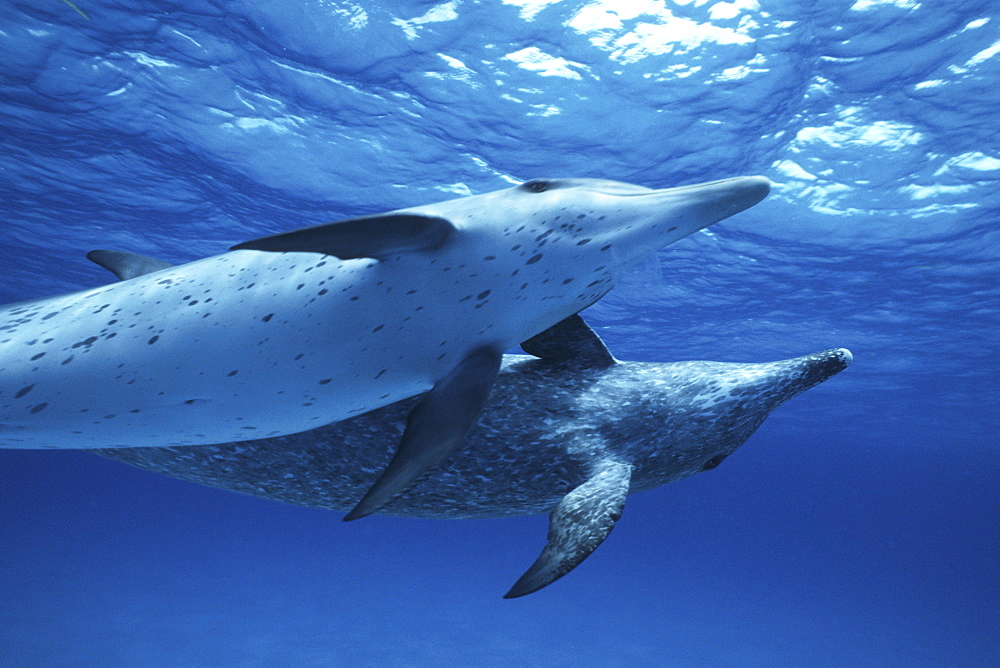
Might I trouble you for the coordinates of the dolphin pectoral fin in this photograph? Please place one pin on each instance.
(436, 428)
(126, 265)
(581, 521)
(570, 340)
(379, 237)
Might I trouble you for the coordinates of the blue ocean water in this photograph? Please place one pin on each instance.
(859, 526)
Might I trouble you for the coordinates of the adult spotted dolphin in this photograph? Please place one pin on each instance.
(574, 433)
(309, 327)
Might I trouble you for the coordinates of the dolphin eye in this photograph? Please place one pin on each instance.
(537, 185)
(713, 462)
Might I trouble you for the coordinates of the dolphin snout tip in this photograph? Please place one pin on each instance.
(834, 361)
(755, 188)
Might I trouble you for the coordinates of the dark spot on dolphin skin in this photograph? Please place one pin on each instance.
(411, 292)
(50, 315)
(109, 417)
(377, 328)
(68, 360)
(490, 257)
(325, 381)
(300, 286)
(153, 340)
(299, 356)
(135, 410)
(37, 357)
(354, 298)
(483, 295)
(47, 341)
(39, 407)
(534, 258)
(583, 242)
(86, 342)
(604, 248)
(379, 374)
(672, 229)
(568, 280)
(593, 283)
(233, 372)
(23, 391)
(267, 318)
(465, 299)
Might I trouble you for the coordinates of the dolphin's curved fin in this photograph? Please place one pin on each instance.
(436, 428)
(581, 522)
(379, 237)
(570, 340)
(126, 265)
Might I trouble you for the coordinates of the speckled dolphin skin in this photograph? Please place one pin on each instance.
(309, 327)
(572, 433)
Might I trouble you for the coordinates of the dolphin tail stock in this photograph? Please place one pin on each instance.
(581, 522)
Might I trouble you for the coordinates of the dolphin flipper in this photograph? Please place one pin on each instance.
(379, 237)
(126, 265)
(436, 428)
(581, 522)
(570, 340)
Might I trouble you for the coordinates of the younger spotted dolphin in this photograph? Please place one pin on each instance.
(313, 326)
(572, 433)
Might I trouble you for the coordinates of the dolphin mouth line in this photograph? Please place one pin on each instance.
(758, 180)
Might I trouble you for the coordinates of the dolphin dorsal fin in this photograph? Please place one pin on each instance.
(570, 340)
(378, 237)
(126, 265)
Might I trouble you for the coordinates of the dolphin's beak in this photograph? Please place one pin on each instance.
(703, 204)
(793, 377)
(673, 213)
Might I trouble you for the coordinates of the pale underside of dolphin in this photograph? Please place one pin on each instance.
(305, 328)
(572, 433)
